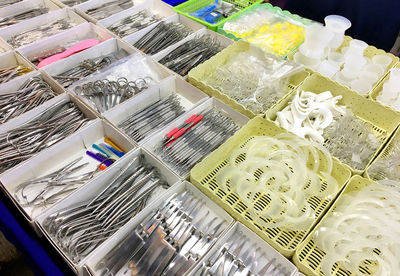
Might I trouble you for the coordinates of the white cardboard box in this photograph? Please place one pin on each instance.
(189, 97)
(90, 190)
(209, 206)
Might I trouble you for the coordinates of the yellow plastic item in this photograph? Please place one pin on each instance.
(196, 75)
(203, 177)
(279, 38)
(379, 119)
(308, 256)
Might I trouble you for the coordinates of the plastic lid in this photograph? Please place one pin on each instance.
(337, 23)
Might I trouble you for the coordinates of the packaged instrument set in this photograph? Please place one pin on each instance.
(214, 138)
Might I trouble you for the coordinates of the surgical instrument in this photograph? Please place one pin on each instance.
(42, 131)
(162, 36)
(6, 3)
(34, 92)
(134, 23)
(105, 94)
(87, 67)
(190, 54)
(40, 32)
(107, 9)
(239, 256)
(185, 148)
(169, 241)
(50, 188)
(150, 119)
(72, 3)
(9, 73)
(79, 229)
(21, 16)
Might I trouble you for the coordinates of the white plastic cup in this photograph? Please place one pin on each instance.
(382, 60)
(316, 40)
(338, 25)
(375, 69)
(306, 61)
(336, 59)
(395, 73)
(328, 69)
(360, 86)
(357, 47)
(342, 79)
(354, 62)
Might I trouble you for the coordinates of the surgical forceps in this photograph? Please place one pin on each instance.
(169, 241)
(9, 73)
(162, 36)
(141, 124)
(31, 94)
(81, 228)
(43, 131)
(21, 16)
(109, 8)
(105, 94)
(183, 152)
(49, 188)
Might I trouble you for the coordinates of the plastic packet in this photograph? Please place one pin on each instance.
(253, 78)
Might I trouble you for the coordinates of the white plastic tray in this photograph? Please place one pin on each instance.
(92, 189)
(189, 97)
(101, 251)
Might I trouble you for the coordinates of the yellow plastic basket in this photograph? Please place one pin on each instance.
(370, 51)
(378, 89)
(203, 176)
(385, 152)
(379, 119)
(196, 76)
(308, 256)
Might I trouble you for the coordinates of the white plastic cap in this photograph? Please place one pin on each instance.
(361, 86)
(382, 60)
(328, 69)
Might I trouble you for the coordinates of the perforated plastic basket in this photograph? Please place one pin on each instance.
(196, 76)
(379, 119)
(284, 14)
(370, 51)
(194, 5)
(385, 153)
(203, 176)
(378, 89)
(308, 256)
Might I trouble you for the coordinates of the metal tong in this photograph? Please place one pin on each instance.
(109, 8)
(34, 92)
(81, 228)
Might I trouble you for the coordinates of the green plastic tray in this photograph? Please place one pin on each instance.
(193, 5)
(286, 15)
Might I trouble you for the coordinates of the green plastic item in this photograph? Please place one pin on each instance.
(193, 5)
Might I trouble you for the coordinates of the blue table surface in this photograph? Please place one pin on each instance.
(39, 254)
